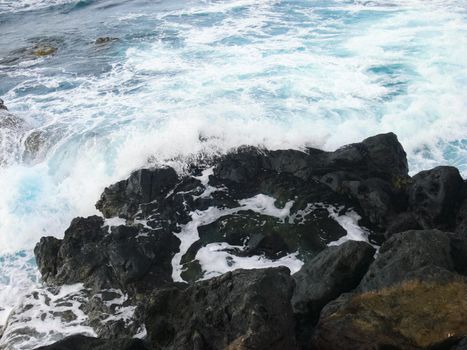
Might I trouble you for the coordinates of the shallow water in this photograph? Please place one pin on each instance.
(185, 77)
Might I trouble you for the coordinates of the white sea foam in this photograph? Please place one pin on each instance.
(215, 260)
(43, 316)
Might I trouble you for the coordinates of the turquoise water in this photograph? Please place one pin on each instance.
(185, 77)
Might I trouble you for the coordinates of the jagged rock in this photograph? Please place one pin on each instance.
(414, 314)
(81, 342)
(2, 105)
(105, 40)
(244, 309)
(143, 186)
(334, 271)
(404, 254)
(373, 172)
(435, 197)
(378, 156)
(131, 258)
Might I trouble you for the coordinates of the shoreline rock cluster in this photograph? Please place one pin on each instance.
(406, 288)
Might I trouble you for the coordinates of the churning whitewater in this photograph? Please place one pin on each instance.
(136, 83)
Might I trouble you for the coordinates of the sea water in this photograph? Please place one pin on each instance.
(179, 78)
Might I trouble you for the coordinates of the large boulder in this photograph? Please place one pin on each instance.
(412, 297)
(131, 258)
(81, 342)
(336, 270)
(244, 309)
(405, 254)
(414, 314)
(435, 197)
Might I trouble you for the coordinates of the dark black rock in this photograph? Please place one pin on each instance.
(334, 271)
(143, 186)
(402, 222)
(404, 255)
(104, 40)
(435, 197)
(2, 105)
(126, 257)
(82, 342)
(461, 345)
(379, 156)
(461, 219)
(244, 309)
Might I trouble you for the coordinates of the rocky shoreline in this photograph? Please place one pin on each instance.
(350, 252)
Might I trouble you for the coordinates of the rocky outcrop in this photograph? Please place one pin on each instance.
(81, 342)
(244, 309)
(256, 205)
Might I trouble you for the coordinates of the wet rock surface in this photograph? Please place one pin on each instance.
(100, 256)
(334, 271)
(244, 309)
(162, 233)
(412, 297)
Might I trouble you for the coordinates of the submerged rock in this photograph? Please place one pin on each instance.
(104, 40)
(244, 309)
(43, 50)
(34, 49)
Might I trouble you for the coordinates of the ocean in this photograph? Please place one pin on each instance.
(103, 87)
